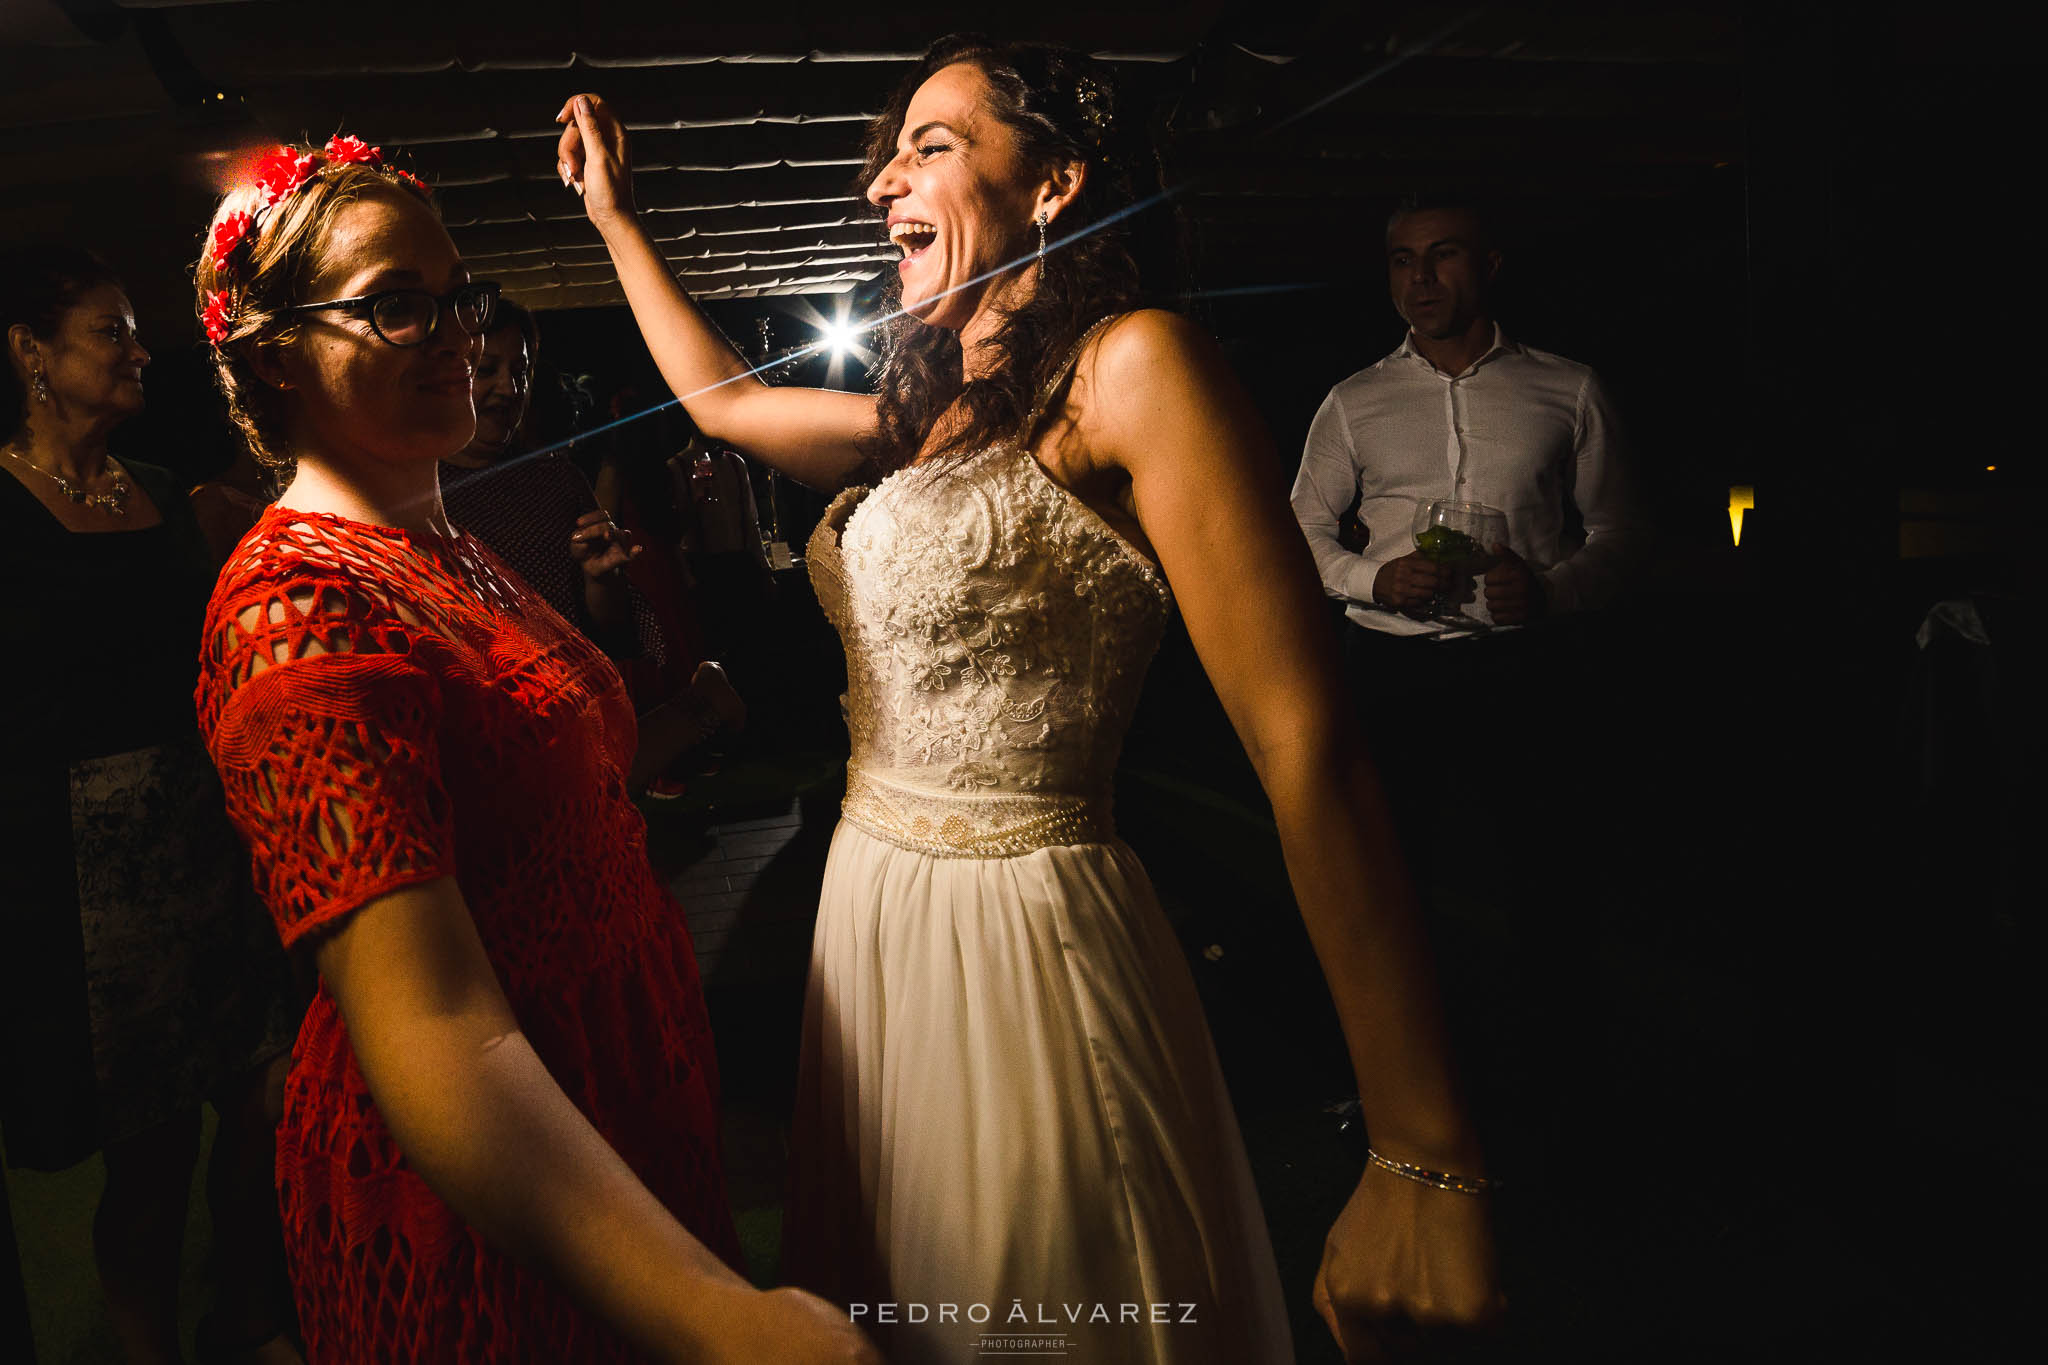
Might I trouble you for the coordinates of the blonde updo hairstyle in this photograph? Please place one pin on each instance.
(269, 274)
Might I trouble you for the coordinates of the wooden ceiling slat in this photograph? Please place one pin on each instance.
(690, 249)
(735, 273)
(659, 192)
(728, 226)
(598, 297)
(607, 295)
(742, 145)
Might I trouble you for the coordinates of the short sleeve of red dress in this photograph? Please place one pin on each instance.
(323, 726)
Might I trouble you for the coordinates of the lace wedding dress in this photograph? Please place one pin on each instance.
(1010, 1121)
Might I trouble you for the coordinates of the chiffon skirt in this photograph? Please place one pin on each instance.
(1010, 1121)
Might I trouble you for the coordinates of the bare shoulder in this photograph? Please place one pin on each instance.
(1148, 349)
(1152, 383)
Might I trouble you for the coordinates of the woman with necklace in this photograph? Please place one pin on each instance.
(83, 376)
(138, 978)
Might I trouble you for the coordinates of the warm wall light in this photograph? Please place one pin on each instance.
(1741, 498)
(1990, 468)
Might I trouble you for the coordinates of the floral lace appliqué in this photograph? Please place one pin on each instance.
(997, 634)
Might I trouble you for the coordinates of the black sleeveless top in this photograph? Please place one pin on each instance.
(100, 632)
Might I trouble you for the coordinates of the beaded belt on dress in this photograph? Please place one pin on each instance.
(991, 825)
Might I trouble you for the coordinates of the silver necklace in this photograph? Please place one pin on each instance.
(114, 498)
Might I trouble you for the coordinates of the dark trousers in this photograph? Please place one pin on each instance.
(1483, 747)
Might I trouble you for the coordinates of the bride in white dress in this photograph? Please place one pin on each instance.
(1010, 1119)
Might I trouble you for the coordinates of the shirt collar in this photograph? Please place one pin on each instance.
(1501, 346)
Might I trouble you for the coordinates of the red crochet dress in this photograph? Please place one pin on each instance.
(385, 710)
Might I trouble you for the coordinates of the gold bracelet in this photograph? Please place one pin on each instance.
(1442, 1180)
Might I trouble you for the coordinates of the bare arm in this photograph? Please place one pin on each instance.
(1171, 416)
(1157, 402)
(470, 1105)
(812, 435)
(478, 1116)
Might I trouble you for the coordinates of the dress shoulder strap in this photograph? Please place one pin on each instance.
(1058, 380)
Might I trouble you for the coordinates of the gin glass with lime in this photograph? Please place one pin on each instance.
(1457, 535)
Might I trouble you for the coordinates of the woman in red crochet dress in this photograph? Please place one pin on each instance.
(499, 1140)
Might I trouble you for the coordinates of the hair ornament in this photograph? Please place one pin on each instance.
(280, 173)
(1093, 100)
(350, 150)
(218, 315)
(228, 235)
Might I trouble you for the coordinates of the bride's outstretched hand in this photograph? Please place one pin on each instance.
(1406, 1261)
(591, 157)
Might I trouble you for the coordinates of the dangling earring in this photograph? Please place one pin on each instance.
(1040, 220)
(40, 386)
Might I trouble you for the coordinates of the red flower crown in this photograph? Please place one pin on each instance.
(280, 172)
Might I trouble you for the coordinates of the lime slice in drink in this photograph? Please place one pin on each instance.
(1442, 545)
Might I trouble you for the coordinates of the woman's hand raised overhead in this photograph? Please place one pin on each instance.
(814, 436)
(592, 158)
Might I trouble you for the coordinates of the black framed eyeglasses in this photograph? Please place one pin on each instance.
(409, 317)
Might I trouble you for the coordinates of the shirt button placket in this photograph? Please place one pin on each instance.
(1457, 439)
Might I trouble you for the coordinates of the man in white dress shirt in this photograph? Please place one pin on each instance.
(1462, 411)
(1479, 736)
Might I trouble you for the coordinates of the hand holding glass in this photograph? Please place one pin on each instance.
(1460, 536)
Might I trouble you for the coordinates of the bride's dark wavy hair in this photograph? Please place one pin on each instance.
(1062, 106)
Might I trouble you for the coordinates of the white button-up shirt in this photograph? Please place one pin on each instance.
(1522, 430)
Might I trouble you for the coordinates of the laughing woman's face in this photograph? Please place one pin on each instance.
(958, 195)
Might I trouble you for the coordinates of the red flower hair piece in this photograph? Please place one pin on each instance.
(279, 174)
(346, 149)
(228, 234)
(219, 316)
(282, 170)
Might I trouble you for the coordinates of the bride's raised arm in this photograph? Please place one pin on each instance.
(812, 435)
